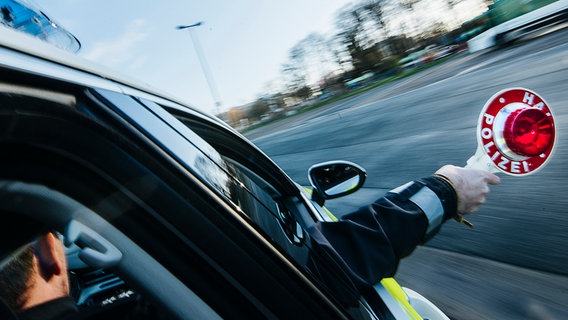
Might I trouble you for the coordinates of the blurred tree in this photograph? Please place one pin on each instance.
(399, 45)
(340, 54)
(410, 5)
(304, 92)
(365, 35)
(350, 24)
(310, 60)
(259, 108)
(372, 35)
(452, 16)
(279, 102)
(452, 3)
(317, 58)
(375, 10)
(369, 59)
(295, 71)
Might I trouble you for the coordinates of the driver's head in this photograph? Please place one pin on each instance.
(36, 273)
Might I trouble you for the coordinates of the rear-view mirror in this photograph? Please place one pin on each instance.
(335, 179)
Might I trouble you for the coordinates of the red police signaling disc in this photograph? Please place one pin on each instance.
(517, 131)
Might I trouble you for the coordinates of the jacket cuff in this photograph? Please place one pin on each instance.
(445, 191)
(435, 197)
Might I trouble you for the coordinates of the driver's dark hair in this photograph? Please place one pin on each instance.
(15, 278)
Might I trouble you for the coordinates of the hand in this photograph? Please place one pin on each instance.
(471, 186)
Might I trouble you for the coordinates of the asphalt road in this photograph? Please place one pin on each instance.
(512, 264)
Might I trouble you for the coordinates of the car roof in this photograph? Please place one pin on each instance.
(42, 58)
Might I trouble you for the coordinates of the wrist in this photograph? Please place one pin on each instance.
(446, 191)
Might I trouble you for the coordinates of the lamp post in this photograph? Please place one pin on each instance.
(203, 62)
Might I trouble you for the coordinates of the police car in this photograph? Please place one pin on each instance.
(160, 202)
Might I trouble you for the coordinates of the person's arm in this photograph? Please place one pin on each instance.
(369, 243)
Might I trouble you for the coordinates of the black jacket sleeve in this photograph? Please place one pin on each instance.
(368, 244)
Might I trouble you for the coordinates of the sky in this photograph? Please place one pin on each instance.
(244, 42)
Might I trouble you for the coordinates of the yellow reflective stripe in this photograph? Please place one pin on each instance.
(329, 214)
(389, 284)
(398, 294)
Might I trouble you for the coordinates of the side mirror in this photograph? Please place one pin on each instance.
(335, 179)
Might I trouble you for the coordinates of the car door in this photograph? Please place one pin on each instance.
(138, 173)
(286, 212)
(260, 197)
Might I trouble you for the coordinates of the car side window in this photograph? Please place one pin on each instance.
(263, 204)
(257, 199)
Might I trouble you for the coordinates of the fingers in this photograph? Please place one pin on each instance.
(471, 186)
(492, 178)
(474, 204)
